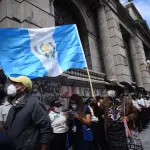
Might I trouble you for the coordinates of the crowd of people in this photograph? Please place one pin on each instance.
(111, 122)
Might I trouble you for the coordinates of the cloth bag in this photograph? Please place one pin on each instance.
(133, 141)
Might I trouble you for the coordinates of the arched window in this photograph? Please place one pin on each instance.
(66, 12)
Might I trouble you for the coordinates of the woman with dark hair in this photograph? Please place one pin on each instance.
(59, 126)
(79, 123)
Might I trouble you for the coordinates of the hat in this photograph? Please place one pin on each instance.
(142, 91)
(117, 88)
(114, 85)
(55, 103)
(22, 79)
(128, 86)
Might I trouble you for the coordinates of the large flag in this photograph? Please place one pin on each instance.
(40, 52)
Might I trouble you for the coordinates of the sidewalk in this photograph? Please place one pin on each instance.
(145, 138)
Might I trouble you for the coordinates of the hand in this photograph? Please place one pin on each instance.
(70, 114)
(76, 116)
(94, 100)
(44, 147)
(124, 118)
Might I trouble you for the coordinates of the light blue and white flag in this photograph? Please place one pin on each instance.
(40, 52)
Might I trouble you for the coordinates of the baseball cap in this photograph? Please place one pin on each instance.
(22, 79)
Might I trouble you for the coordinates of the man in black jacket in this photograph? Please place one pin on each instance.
(28, 123)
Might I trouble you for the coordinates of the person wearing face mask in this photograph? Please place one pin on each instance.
(118, 109)
(80, 134)
(28, 123)
(59, 126)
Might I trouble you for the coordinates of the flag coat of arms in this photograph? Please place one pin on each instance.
(40, 52)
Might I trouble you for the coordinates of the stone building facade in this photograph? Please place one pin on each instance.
(115, 38)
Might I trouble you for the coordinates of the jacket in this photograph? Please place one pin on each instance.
(28, 123)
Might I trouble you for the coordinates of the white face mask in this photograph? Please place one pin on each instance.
(111, 93)
(58, 109)
(74, 106)
(11, 90)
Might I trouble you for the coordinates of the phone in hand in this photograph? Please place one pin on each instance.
(70, 114)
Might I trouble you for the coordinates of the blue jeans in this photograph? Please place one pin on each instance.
(6, 143)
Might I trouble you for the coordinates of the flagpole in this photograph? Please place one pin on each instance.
(91, 85)
(92, 91)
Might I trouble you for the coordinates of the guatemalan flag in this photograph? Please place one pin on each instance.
(40, 52)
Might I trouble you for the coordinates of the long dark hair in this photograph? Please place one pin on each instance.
(80, 105)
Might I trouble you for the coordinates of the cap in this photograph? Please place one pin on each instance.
(22, 79)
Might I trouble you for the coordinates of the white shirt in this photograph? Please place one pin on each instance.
(4, 110)
(58, 122)
(94, 118)
(135, 103)
(146, 103)
(141, 102)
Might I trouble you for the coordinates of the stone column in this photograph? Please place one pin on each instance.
(142, 62)
(136, 67)
(105, 43)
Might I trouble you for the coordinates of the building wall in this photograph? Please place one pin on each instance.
(40, 13)
(37, 14)
(117, 45)
(142, 62)
(47, 89)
